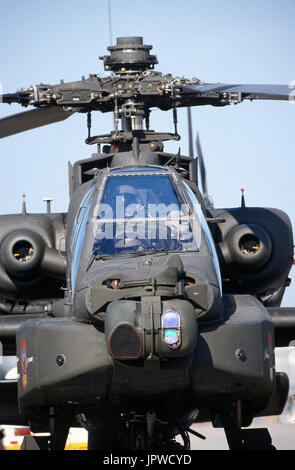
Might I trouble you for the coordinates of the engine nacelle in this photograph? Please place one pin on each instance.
(31, 264)
(247, 246)
(255, 249)
(21, 253)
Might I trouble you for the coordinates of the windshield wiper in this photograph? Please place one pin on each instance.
(150, 251)
(101, 256)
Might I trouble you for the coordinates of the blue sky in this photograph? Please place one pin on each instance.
(250, 145)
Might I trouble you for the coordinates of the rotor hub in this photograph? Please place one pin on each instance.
(130, 56)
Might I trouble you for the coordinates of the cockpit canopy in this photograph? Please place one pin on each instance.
(142, 210)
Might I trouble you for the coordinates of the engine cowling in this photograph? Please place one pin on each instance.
(255, 250)
(21, 253)
(247, 246)
(31, 264)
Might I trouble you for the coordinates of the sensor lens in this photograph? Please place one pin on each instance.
(170, 319)
(171, 337)
(171, 328)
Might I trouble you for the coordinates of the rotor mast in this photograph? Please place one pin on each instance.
(130, 58)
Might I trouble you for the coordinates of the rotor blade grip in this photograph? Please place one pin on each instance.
(18, 97)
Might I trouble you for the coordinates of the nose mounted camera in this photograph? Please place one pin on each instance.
(130, 56)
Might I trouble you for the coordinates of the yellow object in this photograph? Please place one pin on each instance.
(70, 446)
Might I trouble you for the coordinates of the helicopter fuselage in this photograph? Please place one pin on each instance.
(143, 308)
(147, 321)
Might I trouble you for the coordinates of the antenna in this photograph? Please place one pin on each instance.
(110, 22)
(48, 202)
(24, 208)
(243, 204)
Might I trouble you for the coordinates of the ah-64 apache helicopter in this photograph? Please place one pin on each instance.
(143, 309)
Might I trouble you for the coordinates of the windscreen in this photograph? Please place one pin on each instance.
(142, 213)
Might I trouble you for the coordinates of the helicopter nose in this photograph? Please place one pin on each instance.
(150, 328)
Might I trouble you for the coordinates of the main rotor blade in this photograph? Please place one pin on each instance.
(246, 91)
(21, 122)
(202, 166)
(207, 199)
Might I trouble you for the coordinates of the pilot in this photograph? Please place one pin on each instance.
(129, 205)
(132, 199)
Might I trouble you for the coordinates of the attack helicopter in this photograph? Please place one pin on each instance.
(143, 309)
